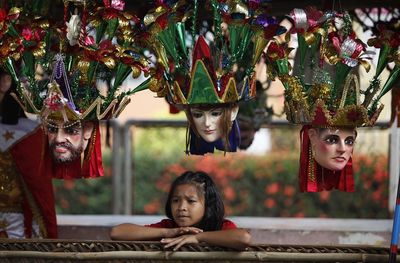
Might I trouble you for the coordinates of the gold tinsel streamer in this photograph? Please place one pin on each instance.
(309, 38)
(127, 35)
(238, 7)
(152, 17)
(155, 85)
(321, 91)
(123, 21)
(44, 24)
(83, 66)
(135, 72)
(109, 62)
(40, 51)
(295, 90)
(14, 11)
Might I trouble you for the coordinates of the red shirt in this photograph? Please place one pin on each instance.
(169, 223)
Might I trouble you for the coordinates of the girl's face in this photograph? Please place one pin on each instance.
(332, 148)
(208, 123)
(187, 206)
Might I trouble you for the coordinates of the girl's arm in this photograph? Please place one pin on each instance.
(232, 238)
(136, 232)
(142, 233)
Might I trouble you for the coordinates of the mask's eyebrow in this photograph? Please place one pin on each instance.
(52, 124)
(330, 135)
(62, 125)
(74, 126)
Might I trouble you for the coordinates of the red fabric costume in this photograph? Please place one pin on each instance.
(34, 163)
(169, 223)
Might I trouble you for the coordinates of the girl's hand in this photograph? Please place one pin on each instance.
(179, 231)
(179, 241)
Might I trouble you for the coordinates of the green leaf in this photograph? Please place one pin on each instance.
(112, 26)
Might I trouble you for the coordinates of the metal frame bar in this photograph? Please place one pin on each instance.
(116, 167)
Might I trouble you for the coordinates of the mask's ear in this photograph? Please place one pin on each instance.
(313, 135)
(87, 130)
(234, 112)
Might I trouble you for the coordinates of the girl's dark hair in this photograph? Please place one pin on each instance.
(214, 207)
(10, 109)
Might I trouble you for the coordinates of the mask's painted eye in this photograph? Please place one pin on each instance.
(331, 139)
(72, 130)
(349, 141)
(196, 114)
(52, 129)
(216, 113)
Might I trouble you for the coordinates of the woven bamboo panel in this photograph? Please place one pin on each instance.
(117, 251)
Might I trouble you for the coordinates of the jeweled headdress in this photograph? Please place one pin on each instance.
(322, 90)
(84, 58)
(207, 59)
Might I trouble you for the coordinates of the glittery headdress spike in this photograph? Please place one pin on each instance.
(322, 90)
(207, 61)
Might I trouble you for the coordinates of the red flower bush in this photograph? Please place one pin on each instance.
(268, 186)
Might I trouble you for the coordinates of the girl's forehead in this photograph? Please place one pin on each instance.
(186, 189)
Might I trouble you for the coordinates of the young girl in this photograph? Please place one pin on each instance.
(196, 214)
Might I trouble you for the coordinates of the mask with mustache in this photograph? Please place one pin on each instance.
(75, 152)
